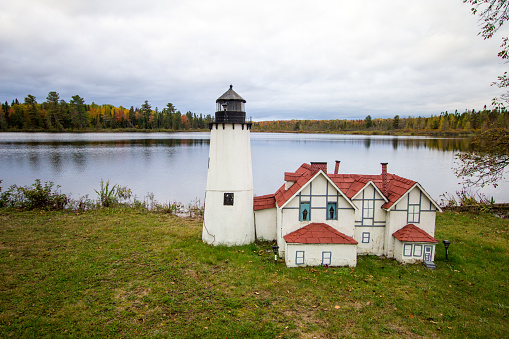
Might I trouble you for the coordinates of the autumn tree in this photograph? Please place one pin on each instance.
(486, 162)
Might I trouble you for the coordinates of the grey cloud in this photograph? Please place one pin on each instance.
(289, 59)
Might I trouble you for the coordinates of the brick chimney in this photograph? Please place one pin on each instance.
(336, 169)
(316, 166)
(384, 179)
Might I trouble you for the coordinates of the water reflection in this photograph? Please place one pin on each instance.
(173, 166)
(409, 142)
(79, 158)
(367, 143)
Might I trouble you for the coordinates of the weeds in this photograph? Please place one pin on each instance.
(109, 197)
(46, 197)
(467, 200)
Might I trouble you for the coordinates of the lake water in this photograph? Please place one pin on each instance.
(173, 166)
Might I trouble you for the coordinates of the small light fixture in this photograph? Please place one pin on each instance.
(446, 244)
(275, 249)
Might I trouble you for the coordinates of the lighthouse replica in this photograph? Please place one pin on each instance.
(229, 218)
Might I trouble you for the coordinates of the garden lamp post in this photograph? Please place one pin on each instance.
(446, 244)
(275, 249)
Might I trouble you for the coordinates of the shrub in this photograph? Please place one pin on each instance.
(37, 196)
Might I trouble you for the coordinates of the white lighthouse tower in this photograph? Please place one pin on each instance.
(229, 217)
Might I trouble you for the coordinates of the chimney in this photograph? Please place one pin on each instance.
(384, 178)
(316, 166)
(336, 169)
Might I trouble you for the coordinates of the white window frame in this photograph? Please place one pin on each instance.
(407, 250)
(368, 209)
(418, 254)
(366, 237)
(368, 212)
(299, 257)
(326, 258)
(414, 213)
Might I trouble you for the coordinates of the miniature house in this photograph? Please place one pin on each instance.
(228, 217)
(321, 218)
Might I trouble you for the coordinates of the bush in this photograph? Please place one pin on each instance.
(37, 196)
(45, 196)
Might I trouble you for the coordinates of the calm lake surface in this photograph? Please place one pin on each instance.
(173, 166)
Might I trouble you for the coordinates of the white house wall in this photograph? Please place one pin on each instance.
(341, 254)
(373, 223)
(266, 224)
(399, 217)
(318, 192)
(373, 242)
(415, 256)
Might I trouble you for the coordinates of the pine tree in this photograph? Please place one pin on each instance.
(79, 115)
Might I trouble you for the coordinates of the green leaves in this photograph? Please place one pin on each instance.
(37, 196)
(108, 197)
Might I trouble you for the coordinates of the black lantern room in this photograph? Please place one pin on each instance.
(230, 109)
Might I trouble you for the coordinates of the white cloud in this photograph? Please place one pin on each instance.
(289, 59)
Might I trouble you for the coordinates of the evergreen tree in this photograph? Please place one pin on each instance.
(31, 112)
(146, 110)
(54, 117)
(395, 122)
(79, 115)
(368, 122)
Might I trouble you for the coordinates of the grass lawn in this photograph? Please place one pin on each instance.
(129, 273)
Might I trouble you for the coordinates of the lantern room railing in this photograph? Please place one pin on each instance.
(231, 119)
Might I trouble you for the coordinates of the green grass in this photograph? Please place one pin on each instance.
(128, 273)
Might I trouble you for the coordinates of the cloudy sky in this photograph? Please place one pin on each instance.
(322, 59)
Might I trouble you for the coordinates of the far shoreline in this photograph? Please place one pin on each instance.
(407, 133)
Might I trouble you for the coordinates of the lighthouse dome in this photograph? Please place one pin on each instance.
(230, 108)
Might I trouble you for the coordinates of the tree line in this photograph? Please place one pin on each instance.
(467, 122)
(56, 114)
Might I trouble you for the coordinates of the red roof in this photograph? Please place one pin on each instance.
(412, 233)
(305, 173)
(264, 201)
(318, 233)
(349, 184)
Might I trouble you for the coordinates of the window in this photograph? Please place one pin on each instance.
(326, 258)
(228, 199)
(368, 208)
(365, 237)
(417, 251)
(368, 211)
(299, 258)
(407, 250)
(305, 211)
(332, 211)
(414, 212)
